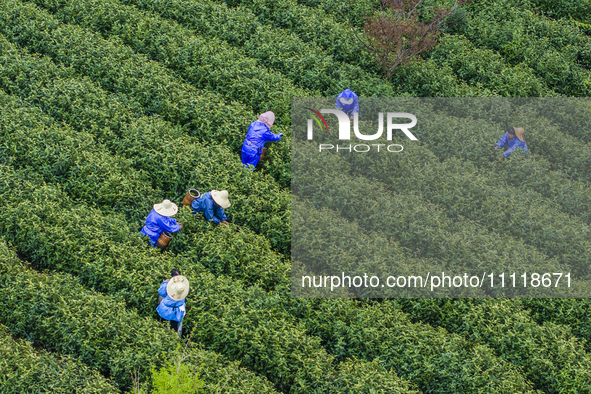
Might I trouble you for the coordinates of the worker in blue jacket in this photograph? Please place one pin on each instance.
(160, 219)
(212, 205)
(348, 102)
(259, 132)
(514, 139)
(171, 300)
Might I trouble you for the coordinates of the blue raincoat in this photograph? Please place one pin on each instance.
(212, 211)
(349, 109)
(170, 309)
(156, 224)
(513, 145)
(252, 148)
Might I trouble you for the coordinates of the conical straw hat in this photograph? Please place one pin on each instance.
(221, 198)
(177, 287)
(519, 131)
(166, 208)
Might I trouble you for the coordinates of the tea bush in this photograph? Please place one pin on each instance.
(573, 313)
(508, 328)
(311, 25)
(423, 354)
(347, 259)
(74, 160)
(118, 116)
(410, 220)
(354, 11)
(55, 311)
(120, 70)
(35, 371)
(486, 68)
(580, 10)
(508, 17)
(306, 64)
(345, 248)
(504, 326)
(450, 135)
(514, 29)
(236, 307)
(558, 53)
(222, 313)
(21, 125)
(462, 190)
(105, 254)
(171, 168)
(471, 134)
(315, 26)
(207, 63)
(572, 114)
(231, 251)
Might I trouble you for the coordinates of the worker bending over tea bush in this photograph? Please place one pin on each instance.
(348, 102)
(171, 300)
(259, 132)
(514, 139)
(160, 219)
(212, 205)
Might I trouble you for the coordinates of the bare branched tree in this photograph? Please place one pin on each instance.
(399, 33)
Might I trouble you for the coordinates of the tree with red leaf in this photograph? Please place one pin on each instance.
(400, 33)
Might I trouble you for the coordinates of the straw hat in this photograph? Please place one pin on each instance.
(519, 133)
(221, 198)
(177, 287)
(166, 208)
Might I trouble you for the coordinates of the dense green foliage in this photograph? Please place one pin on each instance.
(106, 255)
(538, 220)
(117, 133)
(118, 69)
(58, 313)
(558, 361)
(415, 223)
(107, 107)
(25, 369)
(578, 9)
